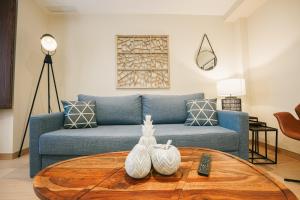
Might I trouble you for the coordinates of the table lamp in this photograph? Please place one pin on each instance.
(230, 89)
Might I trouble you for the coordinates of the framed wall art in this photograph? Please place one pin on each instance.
(142, 61)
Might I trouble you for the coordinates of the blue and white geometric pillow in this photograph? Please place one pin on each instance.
(79, 114)
(201, 112)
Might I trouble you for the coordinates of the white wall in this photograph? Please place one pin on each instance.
(86, 51)
(6, 131)
(85, 58)
(264, 49)
(274, 62)
(32, 23)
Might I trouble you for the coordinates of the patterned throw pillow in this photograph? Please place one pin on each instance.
(201, 112)
(79, 114)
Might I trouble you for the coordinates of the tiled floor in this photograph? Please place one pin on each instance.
(16, 184)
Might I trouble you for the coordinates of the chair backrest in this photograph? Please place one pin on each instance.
(297, 109)
(288, 124)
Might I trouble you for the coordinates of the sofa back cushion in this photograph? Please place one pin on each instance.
(167, 109)
(116, 110)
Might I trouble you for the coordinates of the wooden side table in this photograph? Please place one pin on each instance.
(255, 154)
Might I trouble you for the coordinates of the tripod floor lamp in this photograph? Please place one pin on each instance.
(48, 47)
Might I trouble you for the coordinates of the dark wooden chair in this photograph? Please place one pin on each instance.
(290, 126)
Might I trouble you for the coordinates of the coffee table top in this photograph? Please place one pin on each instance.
(103, 176)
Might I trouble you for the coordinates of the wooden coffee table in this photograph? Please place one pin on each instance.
(103, 176)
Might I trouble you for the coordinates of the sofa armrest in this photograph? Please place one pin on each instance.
(237, 121)
(40, 124)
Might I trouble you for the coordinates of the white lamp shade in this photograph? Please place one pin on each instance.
(48, 42)
(231, 87)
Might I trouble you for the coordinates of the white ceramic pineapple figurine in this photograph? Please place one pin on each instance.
(148, 138)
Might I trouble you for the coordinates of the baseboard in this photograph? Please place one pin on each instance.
(284, 151)
(10, 156)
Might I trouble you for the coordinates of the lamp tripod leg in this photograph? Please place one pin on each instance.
(49, 100)
(53, 77)
(31, 108)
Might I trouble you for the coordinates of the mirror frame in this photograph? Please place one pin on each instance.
(215, 60)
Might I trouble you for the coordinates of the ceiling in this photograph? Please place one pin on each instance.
(179, 7)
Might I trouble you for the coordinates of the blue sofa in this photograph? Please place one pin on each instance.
(120, 119)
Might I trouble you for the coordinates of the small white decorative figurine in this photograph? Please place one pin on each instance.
(148, 139)
(138, 162)
(165, 158)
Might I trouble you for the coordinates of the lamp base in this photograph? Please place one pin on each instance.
(232, 103)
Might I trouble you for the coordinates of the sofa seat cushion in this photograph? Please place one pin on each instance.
(213, 137)
(124, 137)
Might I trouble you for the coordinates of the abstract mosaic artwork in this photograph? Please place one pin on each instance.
(142, 61)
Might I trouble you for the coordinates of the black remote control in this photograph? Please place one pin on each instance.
(204, 165)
